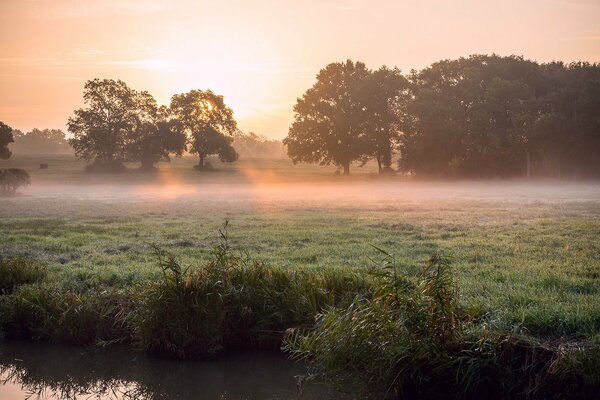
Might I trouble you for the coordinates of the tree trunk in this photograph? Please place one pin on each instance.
(201, 162)
(528, 167)
(147, 165)
(379, 163)
(346, 168)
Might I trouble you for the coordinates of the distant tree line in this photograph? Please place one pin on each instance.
(38, 141)
(479, 116)
(253, 145)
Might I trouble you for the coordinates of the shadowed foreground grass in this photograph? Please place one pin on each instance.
(388, 334)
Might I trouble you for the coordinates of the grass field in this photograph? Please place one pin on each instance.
(525, 254)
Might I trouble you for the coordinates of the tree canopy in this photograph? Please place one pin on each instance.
(6, 137)
(40, 141)
(351, 114)
(328, 121)
(506, 116)
(208, 123)
(484, 115)
(100, 129)
(121, 124)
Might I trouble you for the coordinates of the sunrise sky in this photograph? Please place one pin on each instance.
(261, 55)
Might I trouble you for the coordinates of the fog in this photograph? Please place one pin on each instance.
(268, 191)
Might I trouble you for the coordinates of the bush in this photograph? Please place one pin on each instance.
(231, 302)
(19, 271)
(12, 179)
(48, 312)
(413, 341)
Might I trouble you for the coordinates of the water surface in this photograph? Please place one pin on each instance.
(43, 371)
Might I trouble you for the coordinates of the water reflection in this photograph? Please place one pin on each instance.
(41, 371)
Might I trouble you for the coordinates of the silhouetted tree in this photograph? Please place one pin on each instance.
(11, 179)
(208, 123)
(328, 125)
(154, 136)
(467, 116)
(490, 115)
(6, 137)
(384, 96)
(100, 129)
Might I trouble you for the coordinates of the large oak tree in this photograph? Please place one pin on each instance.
(208, 123)
(328, 124)
(100, 129)
(120, 124)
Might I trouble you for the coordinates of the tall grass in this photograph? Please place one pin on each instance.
(414, 341)
(231, 302)
(387, 334)
(19, 271)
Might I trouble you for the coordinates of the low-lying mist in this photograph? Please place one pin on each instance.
(268, 188)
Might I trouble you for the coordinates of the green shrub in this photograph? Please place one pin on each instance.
(232, 302)
(12, 179)
(47, 312)
(19, 271)
(413, 340)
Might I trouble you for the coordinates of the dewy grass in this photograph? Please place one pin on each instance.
(414, 341)
(390, 334)
(19, 271)
(231, 302)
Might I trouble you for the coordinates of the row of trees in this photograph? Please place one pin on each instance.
(253, 145)
(120, 124)
(40, 141)
(476, 116)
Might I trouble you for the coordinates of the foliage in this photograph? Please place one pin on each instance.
(252, 145)
(385, 97)
(411, 341)
(154, 139)
(45, 311)
(231, 302)
(6, 137)
(100, 130)
(12, 179)
(37, 141)
(502, 116)
(19, 271)
(121, 124)
(484, 115)
(327, 127)
(208, 122)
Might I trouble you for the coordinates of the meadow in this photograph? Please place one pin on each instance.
(525, 254)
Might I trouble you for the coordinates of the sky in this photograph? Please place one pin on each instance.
(259, 54)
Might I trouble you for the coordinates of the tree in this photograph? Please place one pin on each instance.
(100, 130)
(154, 136)
(208, 123)
(469, 116)
(385, 97)
(6, 137)
(11, 179)
(328, 123)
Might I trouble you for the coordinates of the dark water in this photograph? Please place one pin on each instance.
(42, 371)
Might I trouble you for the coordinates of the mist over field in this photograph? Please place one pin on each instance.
(266, 200)
(279, 185)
